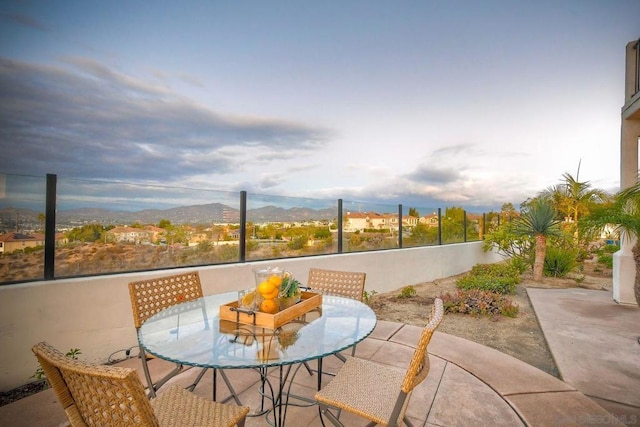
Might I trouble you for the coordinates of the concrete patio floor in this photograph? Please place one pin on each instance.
(593, 340)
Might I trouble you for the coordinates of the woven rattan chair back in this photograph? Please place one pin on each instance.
(419, 366)
(342, 283)
(377, 392)
(99, 395)
(151, 296)
(95, 394)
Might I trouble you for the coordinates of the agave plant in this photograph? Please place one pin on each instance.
(623, 213)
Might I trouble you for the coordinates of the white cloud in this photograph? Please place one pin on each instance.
(91, 121)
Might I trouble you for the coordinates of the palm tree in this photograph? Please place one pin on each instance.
(623, 212)
(573, 198)
(540, 221)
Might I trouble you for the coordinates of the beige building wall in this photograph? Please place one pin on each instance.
(624, 270)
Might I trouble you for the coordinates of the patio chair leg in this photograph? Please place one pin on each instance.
(153, 387)
(147, 374)
(407, 422)
(324, 410)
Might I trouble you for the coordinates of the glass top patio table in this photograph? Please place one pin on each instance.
(193, 334)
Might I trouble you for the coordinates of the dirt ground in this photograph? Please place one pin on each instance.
(520, 337)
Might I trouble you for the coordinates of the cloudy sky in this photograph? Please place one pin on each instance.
(467, 103)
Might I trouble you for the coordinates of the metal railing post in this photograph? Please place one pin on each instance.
(484, 224)
(243, 226)
(439, 226)
(464, 225)
(400, 226)
(50, 228)
(340, 232)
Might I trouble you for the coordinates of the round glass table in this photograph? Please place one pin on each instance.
(193, 334)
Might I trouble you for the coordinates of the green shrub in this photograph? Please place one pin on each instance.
(407, 292)
(479, 303)
(367, 297)
(501, 278)
(30, 250)
(606, 259)
(297, 243)
(72, 353)
(558, 262)
(519, 264)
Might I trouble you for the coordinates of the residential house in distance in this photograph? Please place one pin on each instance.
(429, 220)
(155, 232)
(196, 238)
(360, 221)
(11, 242)
(408, 221)
(129, 235)
(234, 234)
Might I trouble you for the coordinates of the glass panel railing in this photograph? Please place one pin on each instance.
(452, 225)
(474, 224)
(490, 222)
(369, 226)
(420, 226)
(288, 227)
(22, 223)
(460, 226)
(113, 227)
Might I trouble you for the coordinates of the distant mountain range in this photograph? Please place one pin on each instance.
(197, 214)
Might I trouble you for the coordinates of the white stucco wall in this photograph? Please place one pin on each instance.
(94, 313)
(624, 269)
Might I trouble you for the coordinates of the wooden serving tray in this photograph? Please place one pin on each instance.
(309, 301)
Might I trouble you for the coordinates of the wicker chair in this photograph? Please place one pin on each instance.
(114, 396)
(343, 283)
(149, 297)
(379, 393)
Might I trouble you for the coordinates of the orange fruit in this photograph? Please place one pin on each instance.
(269, 306)
(272, 295)
(276, 280)
(266, 288)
